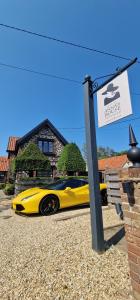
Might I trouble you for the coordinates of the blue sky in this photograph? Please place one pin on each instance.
(27, 99)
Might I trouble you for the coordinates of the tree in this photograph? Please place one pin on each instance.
(105, 152)
(71, 160)
(121, 152)
(102, 152)
(31, 159)
(84, 150)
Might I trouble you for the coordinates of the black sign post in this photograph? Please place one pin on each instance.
(92, 160)
(93, 176)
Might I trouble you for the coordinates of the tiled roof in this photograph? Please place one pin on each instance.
(4, 164)
(113, 162)
(12, 143)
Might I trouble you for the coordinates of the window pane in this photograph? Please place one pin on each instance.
(74, 183)
(45, 148)
(50, 147)
(40, 145)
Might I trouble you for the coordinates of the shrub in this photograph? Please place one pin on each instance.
(2, 186)
(31, 159)
(71, 160)
(26, 179)
(9, 189)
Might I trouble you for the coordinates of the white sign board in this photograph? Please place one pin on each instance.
(113, 100)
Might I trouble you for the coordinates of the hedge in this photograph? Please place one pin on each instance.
(31, 159)
(9, 189)
(2, 186)
(71, 159)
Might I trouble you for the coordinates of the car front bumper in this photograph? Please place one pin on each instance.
(24, 207)
(18, 207)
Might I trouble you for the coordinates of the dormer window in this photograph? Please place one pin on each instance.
(45, 146)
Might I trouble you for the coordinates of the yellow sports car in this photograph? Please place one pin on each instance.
(63, 193)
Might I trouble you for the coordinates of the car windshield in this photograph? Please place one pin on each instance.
(58, 185)
(63, 184)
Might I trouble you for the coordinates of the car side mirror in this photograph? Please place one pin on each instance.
(67, 189)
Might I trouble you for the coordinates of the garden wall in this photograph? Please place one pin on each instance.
(28, 183)
(130, 197)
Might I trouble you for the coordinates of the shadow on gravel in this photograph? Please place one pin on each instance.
(68, 209)
(4, 207)
(5, 217)
(27, 215)
(114, 237)
(72, 208)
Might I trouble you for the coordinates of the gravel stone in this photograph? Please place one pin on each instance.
(45, 259)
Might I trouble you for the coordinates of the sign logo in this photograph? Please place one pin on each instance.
(111, 94)
(114, 101)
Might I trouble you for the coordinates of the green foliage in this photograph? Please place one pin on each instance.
(12, 171)
(2, 186)
(12, 165)
(103, 152)
(9, 189)
(71, 159)
(26, 179)
(84, 151)
(121, 152)
(31, 159)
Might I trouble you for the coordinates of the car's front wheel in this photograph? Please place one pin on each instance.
(49, 205)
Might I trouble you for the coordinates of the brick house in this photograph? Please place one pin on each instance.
(4, 165)
(114, 162)
(47, 137)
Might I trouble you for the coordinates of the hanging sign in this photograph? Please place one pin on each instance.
(113, 100)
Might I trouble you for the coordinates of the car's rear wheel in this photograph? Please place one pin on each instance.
(104, 197)
(49, 205)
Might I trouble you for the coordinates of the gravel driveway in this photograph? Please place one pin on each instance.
(50, 258)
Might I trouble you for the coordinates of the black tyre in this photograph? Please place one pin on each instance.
(49, 205)
(104, 197)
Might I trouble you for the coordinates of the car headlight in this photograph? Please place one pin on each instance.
(25, 198)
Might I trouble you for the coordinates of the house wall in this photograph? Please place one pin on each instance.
(11, 155)
(46, 133)
(3, 177)
(127, 165)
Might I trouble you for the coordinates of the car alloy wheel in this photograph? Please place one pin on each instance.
(49, 206)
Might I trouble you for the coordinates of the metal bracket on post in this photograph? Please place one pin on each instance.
(119, 71)
(93, 175)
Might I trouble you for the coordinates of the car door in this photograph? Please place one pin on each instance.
(80, 195)
(74, 195)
